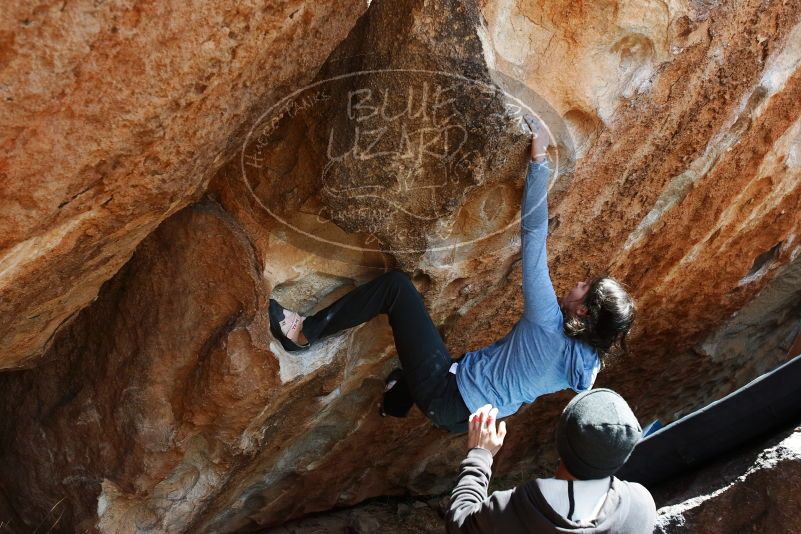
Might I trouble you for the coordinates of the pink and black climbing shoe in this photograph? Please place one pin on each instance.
(286, 326)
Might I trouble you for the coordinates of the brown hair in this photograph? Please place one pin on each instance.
(610, 315)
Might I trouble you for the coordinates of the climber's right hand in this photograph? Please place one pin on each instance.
(540, 138)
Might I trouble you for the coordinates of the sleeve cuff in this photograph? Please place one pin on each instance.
(482, 455)
(545, 164)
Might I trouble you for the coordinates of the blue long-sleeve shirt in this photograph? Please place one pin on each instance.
(535, 357)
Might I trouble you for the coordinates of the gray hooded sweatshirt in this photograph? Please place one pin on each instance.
(628, 508)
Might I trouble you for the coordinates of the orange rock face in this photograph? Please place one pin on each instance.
(150, 150)
(115, 116)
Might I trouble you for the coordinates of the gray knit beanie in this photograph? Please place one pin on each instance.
(596, 434)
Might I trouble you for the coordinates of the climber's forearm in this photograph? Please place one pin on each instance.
(539, 298)
(534, 206)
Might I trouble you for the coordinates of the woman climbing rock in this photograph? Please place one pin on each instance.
(554, 346)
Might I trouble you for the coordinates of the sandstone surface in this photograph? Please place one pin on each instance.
(114, 116)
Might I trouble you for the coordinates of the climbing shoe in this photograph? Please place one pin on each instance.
(284, 325)
(397, 398)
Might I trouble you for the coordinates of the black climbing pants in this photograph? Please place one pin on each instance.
(424, 358)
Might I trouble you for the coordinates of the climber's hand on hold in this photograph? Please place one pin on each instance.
(482, 432)
(540, 138)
